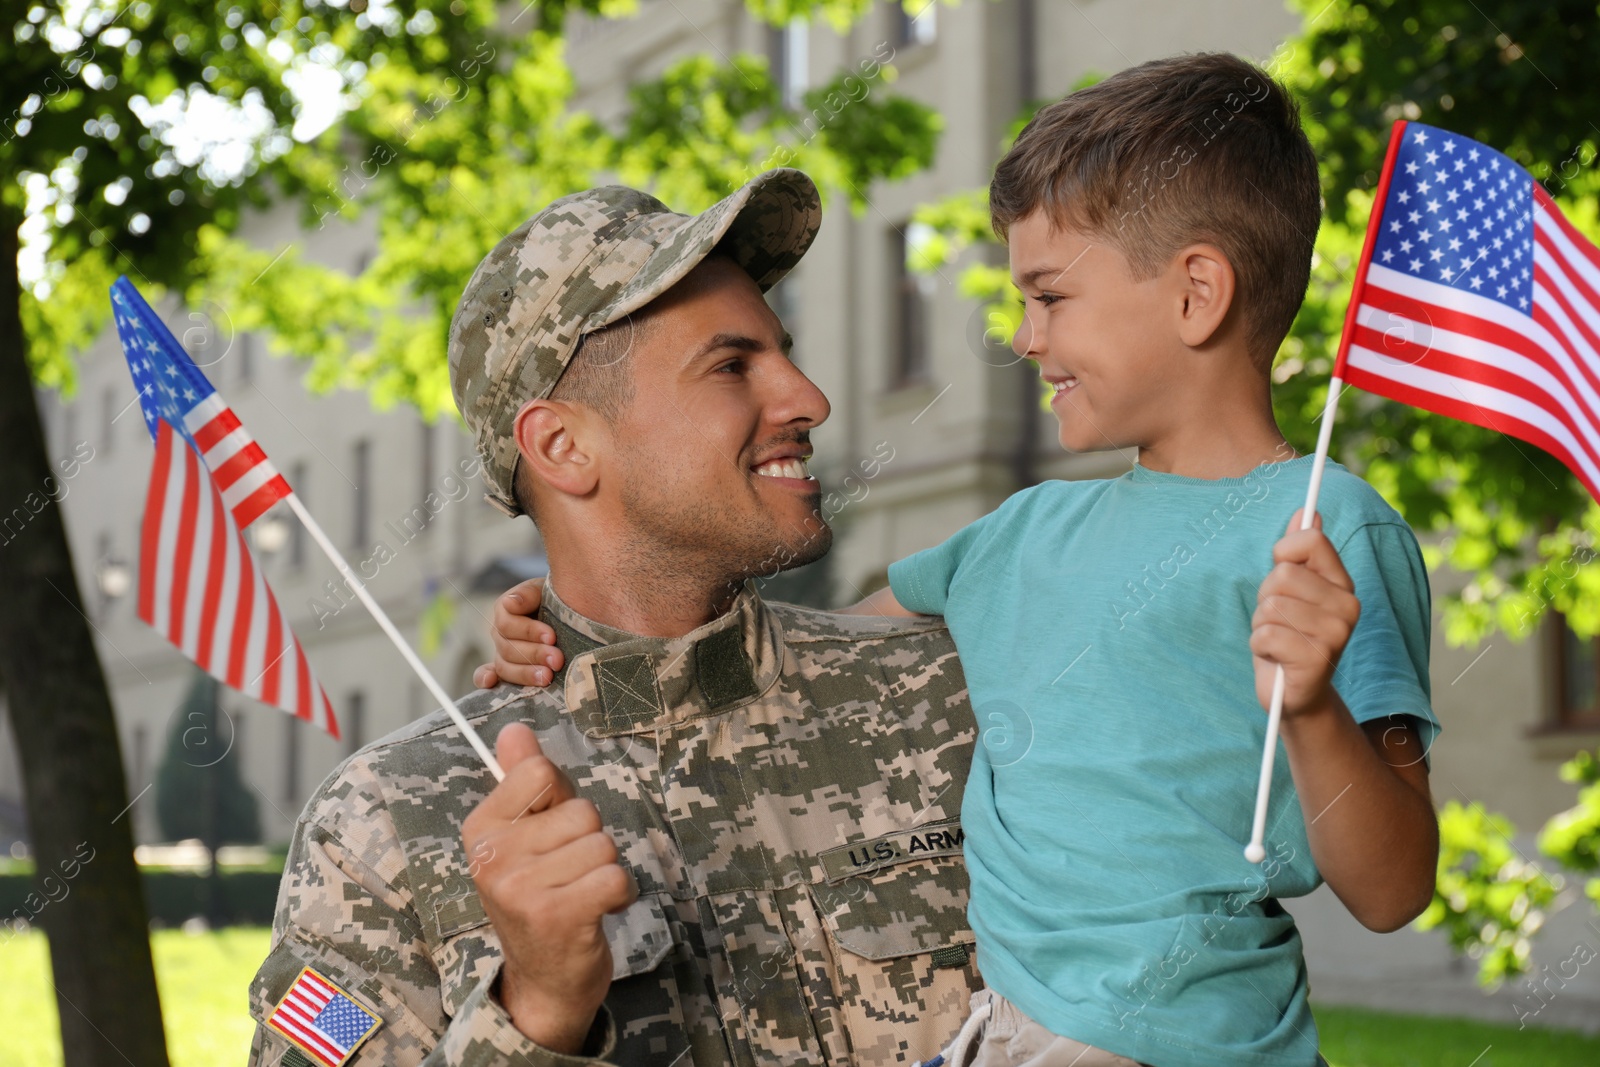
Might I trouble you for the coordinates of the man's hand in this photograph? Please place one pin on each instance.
(547, 873)
(525, 651)
(1305, 612)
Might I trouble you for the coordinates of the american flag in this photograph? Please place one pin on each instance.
(321, 1019)
(1477, 299)
(199, 586)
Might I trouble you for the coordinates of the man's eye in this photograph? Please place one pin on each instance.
(733, 366)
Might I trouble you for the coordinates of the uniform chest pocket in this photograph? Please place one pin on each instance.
(902, 956)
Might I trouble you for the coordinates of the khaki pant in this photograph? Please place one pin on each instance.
(1008, 1038)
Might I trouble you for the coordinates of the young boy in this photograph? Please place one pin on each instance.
(1119, 634)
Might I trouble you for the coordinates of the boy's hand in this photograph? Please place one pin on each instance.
(1305, 612)
(525, 651)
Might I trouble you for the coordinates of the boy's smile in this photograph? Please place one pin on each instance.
(1095, 332)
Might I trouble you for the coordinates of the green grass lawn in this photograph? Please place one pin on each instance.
(1354, 1037)
(203, 980)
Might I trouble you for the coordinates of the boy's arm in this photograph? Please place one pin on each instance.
(882, 602)
(1363, 788)
(525, 651)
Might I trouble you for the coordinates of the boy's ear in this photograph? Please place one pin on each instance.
(1208, 287)
(557, 441)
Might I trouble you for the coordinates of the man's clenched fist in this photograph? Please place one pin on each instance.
(547, 873)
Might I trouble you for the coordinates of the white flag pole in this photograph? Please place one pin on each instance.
(417, 665)
(1256, 851)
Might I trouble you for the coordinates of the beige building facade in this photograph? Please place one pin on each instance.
(929, 431)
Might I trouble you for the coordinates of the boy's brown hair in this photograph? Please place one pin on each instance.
(1198, 148)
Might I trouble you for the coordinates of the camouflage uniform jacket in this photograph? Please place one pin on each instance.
(784, 785)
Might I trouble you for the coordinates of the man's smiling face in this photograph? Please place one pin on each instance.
(710, 454)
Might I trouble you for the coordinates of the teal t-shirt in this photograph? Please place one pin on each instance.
(1104, 630)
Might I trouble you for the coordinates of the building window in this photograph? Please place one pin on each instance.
(1577, 703)
(920, 25)
(426, 448)
(108, 416)
(910, 299)
(102, 559)
(297, 529)
(789, 60)
(361, 462)
(141, 740)
(291, 758)
(354, 727)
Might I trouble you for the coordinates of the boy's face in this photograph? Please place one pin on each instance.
(1103, 340)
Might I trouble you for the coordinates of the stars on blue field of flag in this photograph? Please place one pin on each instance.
(167, 384)
(1459, 214)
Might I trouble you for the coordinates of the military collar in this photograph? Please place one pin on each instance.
(620, 683)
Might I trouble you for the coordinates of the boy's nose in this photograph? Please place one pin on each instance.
(1022, 342)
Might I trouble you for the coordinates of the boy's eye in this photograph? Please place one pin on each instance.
(1044, 298)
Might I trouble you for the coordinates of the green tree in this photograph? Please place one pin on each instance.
(198, 791)
(458, 126)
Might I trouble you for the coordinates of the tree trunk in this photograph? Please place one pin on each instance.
(90, 900)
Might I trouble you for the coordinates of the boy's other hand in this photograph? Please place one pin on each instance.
(1305, 611)
(525, 651)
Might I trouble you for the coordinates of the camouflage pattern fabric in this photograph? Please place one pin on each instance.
(587, 261)
(785, 786)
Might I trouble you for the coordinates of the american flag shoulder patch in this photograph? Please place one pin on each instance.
(322, 1020)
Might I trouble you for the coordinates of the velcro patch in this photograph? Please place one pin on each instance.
(322, 1020)
(899, 846)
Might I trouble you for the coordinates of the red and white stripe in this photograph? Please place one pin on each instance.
(249, 482)
(295, 1016)
(200, 587)
(1533, 375)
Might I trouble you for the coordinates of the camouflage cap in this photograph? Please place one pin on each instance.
(585, 262)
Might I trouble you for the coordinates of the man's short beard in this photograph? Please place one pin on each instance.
(694, 541)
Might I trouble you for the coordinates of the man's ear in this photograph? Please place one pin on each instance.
(558, 442)
(1207, 290)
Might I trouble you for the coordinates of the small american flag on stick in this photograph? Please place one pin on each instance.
(199, 586)
(1476, 298)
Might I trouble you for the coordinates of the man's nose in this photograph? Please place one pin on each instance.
(795, 398)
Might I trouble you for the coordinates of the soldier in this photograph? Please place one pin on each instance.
(728, 830)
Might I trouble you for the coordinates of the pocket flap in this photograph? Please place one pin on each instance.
(901, 910)
(640, 937)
